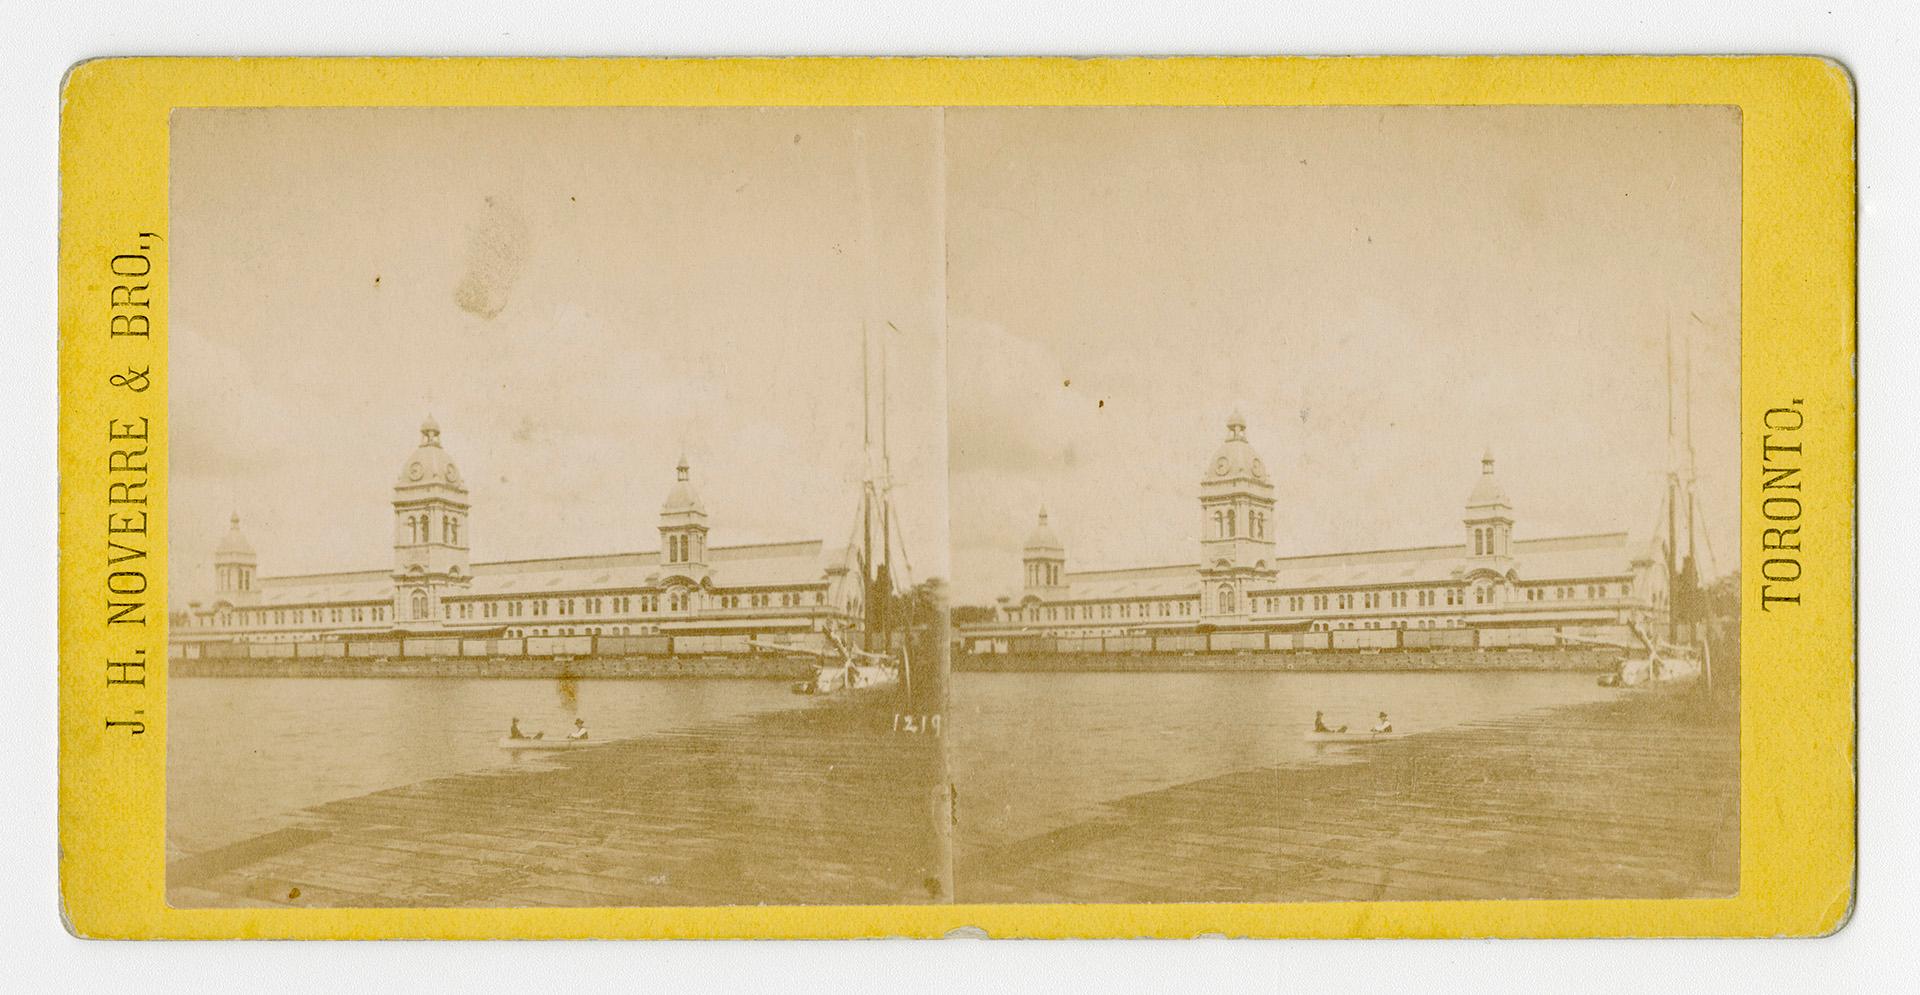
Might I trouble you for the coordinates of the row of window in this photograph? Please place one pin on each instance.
(1574, 591)
(1482, 594)
(586, 630)
(1397, 623)
(1225, 526)
(788, 599)
(1145, 609)
(680, 547)
(675, 601)
(300, 616)
(420, 529)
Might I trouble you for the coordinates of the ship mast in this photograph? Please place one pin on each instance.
(1683, 570)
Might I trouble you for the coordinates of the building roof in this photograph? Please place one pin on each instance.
(1042, 540)
(779, 564)
(234, 546)
(1235, 459)
(1608, 554)
(682, 497)
(429, 463)
(1487, 492)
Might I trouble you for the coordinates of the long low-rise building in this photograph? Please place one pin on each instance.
(684, 588)
(1588, 585)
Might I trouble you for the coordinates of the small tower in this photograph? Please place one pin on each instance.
(430, 537)
(1236, 524)
(233, 562)
(683, 526)
(1045, 558)
(1489, 517)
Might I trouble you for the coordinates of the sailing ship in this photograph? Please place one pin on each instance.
(876, 653)
(1682, 655)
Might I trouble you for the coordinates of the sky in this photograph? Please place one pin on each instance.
(1077, 297)
(577, 296)
(1386, 294)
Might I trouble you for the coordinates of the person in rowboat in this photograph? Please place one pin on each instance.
(1383, 726)
(579, 729)
(513, 730)
(1320, 724)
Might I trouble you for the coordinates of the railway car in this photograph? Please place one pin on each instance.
(430, 646)
(1365, 639)
(1230, 642)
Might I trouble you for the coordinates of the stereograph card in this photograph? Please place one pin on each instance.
(1391, 497)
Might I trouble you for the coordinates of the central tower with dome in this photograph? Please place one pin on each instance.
(430, 537)
(1236, 525)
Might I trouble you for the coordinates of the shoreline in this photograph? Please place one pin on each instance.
(1593, 661)
(758, 667)
(796, 667)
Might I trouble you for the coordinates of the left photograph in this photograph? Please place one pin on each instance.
(557, 508)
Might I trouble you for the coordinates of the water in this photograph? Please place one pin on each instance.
(244, 752)
(1029, 751)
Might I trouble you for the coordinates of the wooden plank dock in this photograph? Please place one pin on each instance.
(815, 805)
(1635, 797)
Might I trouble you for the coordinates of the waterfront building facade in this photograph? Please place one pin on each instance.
(1487, 579)
(684, 587)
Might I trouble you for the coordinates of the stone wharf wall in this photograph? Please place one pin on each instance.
(1583, 660)
(760, 665)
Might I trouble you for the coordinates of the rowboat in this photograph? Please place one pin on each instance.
(509, 743)
(1348, 737)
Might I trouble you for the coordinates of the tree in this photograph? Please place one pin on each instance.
(972, 614)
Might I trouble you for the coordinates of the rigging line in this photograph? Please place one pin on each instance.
(1713, 562)
(900, 541)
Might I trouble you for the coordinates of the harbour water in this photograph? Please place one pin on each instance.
(1031, 751)
(1028, 751)
(244, 752)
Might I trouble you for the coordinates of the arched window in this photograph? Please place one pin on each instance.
(453, 531)
(1476, 542)
(1226, 597)
(1231, 531)
(419, 604)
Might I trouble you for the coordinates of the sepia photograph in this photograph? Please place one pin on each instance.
(1344, 502)
(558, 508)
(637, 507)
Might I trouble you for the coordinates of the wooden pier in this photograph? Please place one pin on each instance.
(1631, 798)
(816, 805)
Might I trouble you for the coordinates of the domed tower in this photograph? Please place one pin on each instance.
(683, 526)
(1236, 524)
(429, 531)
(233, 562)
(1489, 517)
(1045, 558)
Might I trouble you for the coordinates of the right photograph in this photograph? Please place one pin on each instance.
(1344, 502)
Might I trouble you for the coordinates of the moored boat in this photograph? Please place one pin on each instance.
(1363, 736)
(529, 743)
